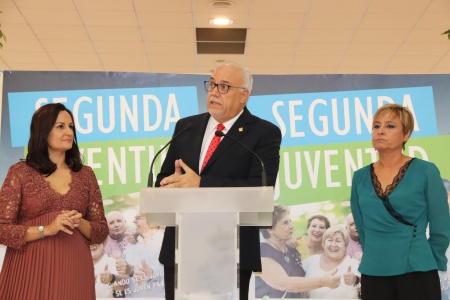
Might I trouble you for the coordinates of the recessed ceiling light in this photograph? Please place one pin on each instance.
(221, 21)
(221, 3)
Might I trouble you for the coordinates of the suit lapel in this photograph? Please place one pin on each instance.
(193, 149)
(241, 127)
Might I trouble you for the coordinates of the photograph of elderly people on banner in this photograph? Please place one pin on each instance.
(329, 273)
(126, 264)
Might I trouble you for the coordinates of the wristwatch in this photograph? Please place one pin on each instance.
(41, 231)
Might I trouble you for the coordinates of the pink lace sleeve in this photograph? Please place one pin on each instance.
(11, 234)
(95, 212)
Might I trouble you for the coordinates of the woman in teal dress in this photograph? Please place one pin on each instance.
(393, 201)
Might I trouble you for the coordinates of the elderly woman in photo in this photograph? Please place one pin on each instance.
(312, 244)
(282, 273)
(335, 242)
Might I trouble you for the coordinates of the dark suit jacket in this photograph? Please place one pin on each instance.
(231, 165)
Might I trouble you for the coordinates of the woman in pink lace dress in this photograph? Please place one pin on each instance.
(50, 211)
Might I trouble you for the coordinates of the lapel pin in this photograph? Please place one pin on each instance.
(241, 129)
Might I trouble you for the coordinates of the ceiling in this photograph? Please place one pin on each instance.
(283, 36)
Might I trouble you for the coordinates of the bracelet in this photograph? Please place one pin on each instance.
(356, 281)
(41, 231)
(112, 279)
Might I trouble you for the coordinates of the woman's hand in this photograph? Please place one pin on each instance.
(115, 254)
(292, 243)
(349, 277)
(61, 222)
(143, 274)
(73, 215)
(106, 276)
(330, 279)
(123, 268)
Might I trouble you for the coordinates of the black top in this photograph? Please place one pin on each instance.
(291, 263)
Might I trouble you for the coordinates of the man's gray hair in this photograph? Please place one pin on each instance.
(246, 74)
(347, 223)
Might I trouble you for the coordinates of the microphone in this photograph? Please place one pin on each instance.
(263, 174)
(150, 175)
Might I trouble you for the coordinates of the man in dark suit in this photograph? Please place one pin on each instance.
(230, 164)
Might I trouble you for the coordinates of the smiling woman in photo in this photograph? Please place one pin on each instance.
(335, 242)
(312, 244)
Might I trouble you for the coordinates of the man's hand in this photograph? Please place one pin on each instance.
(178, 179)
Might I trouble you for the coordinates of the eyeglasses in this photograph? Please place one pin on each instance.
(221, 88)
(139, 218)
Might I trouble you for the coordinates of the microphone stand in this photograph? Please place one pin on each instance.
(150, 175)
(263, 173)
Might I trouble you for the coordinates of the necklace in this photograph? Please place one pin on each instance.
(286, 258)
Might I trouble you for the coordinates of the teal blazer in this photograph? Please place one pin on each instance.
(393, 248)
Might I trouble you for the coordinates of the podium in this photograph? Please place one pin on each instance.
(207, 224)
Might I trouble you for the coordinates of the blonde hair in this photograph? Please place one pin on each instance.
(405, 115)
(335, 229)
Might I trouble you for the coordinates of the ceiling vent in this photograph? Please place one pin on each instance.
(221, 40)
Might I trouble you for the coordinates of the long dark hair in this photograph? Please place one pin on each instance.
(42, 123)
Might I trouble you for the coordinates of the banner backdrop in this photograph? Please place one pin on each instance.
(123, 119)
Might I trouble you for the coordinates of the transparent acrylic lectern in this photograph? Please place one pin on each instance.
(207, 221)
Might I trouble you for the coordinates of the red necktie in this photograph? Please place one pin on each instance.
(212, 146)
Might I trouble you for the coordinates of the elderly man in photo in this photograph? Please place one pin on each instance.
(117, 238)
(354, 247)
